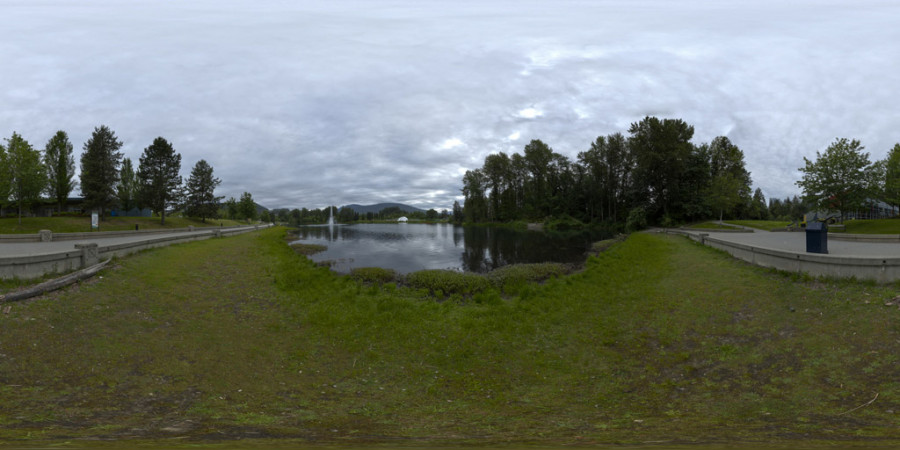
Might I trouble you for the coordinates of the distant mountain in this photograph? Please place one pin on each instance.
(362, 209)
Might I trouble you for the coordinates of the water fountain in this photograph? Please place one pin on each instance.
(330, 216)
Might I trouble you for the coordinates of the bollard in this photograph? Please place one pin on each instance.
(46, 235)
(136, 227)
(90, 254)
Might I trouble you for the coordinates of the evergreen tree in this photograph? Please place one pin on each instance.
(201, 199)
(247, 206)
(59, 160)
(26, 173)
(759, 210)
(160, 184)
(127, 188)
(100, 169)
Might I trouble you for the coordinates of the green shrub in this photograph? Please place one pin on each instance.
(448, 282)
(308, 249)
(637, 219)
(563, 223)
(373, 274)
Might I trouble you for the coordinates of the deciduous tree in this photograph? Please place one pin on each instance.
(838, 178)
(892, 177)
(4, 178)
(25, 171)
(247, 207)
(127, 187)
(661, 150)
(59, 160)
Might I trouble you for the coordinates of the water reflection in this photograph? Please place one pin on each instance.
(411, 247)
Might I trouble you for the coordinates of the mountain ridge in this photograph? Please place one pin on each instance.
(377, 207)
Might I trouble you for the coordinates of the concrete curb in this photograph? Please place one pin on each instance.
(882, 270)
(40, 236)
(85, 253)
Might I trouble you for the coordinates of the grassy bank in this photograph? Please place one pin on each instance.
(711, 226)
(77, 224)
(874, 226)
(658, 339)
(767, 225)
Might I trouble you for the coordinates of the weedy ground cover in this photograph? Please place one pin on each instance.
(657, 339)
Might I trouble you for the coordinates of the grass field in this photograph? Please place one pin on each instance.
(70, 224)
(767, 225)
(875, 226)
(658, 339)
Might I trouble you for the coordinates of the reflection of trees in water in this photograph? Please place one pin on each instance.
(329, 234)
(483, 248)
(488, 248)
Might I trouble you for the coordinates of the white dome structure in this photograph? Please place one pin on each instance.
(403, 219)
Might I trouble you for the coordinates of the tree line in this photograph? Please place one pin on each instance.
(106, 179)
(301, 216)
(655, 175)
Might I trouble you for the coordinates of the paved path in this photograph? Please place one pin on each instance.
(796, 242)
(42, 248)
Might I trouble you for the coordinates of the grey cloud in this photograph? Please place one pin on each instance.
(310, 104)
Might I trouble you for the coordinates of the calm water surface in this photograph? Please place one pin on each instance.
(411, 247)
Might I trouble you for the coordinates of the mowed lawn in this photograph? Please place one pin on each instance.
(767, 225)
(657, 339)
(874, 226)
(78, 224)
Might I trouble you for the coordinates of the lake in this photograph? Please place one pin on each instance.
(409, 247)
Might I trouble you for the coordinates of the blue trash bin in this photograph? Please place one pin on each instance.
(816, 237)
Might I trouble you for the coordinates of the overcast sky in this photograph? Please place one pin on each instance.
(308, 103)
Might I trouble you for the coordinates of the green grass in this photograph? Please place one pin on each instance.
(875, 226)
(710, 226)
(76, 224)
(657, 339)
(767, 225)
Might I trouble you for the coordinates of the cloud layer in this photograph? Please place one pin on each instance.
(317, 103)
